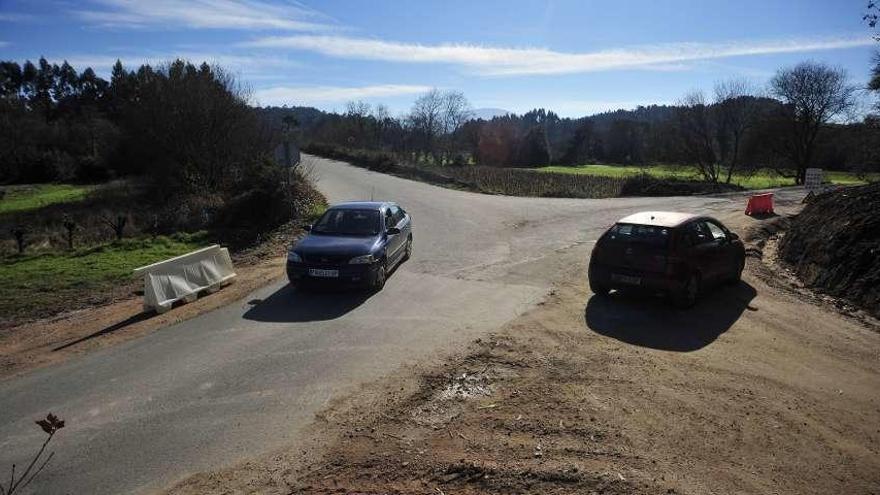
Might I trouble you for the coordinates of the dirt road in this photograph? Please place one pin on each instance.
(755, 390)
(249, 379)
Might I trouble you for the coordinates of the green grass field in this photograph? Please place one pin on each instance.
(31, 197)
(761, 180)
(35, 284)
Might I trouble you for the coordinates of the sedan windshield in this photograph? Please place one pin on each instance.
(338, 221)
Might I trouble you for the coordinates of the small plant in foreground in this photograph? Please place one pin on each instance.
(50, 425)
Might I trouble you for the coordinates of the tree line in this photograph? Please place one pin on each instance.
(189, 127)
(800, 120)
(197, 154)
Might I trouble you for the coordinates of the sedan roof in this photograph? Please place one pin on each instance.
(362, 205)
(658, 218)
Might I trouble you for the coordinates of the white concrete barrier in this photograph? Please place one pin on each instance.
(183, 277)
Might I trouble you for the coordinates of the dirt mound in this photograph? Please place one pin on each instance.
(834, 245)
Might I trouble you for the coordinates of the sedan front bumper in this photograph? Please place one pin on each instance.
(349, 275)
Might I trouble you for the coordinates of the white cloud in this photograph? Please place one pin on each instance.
(516, 61)
(204, 14)
(4, 43)
(310, 95)
(14, 17)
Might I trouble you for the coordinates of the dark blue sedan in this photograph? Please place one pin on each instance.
(355, 243)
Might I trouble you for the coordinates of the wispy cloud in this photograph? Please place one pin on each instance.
(311, 95)
(4, 43)
(523, 61)
(204, 14)
(14, 17)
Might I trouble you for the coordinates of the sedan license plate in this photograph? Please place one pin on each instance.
(316, 272)
(626, 279)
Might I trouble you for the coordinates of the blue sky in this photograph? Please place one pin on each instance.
(574, 57)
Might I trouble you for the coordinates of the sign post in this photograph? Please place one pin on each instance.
(813, 180)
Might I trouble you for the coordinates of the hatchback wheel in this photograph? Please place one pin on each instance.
(687, 296)
(736, 276)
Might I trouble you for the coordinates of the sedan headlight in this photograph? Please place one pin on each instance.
(362, 260)
(293, 257)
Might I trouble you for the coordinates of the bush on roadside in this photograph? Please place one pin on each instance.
(269, 200)
(648, 185)
(519, 181)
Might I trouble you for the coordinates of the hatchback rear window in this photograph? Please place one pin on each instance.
(643, 234)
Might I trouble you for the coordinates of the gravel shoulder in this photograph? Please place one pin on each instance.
(47, 341)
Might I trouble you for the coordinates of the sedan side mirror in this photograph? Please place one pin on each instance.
(392, 231)
(307, 228)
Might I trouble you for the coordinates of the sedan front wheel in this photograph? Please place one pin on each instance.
(381, 276)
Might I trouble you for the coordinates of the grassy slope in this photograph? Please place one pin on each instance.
(762, 180)
(21, 198)
(43, 283)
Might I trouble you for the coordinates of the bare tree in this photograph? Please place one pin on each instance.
(872, 15)
(735, 113)
(381, 119)
(426, 120)
(456, 111)
(698, 132)
(358, 114)
(813, 94)
(435, 117)
(712, 134)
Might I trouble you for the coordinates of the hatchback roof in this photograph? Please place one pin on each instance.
(362, 205)
(658, 218)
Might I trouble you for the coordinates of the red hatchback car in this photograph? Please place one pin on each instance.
(676, 254)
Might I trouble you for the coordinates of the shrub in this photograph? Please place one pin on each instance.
(380, 161)
(649, 185)
(269, 200)
(522, 182)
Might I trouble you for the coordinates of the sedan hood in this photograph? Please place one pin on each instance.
(333, 245)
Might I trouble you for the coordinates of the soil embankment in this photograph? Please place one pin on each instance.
(834, 245)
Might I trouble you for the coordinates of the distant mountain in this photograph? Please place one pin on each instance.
(489, 113)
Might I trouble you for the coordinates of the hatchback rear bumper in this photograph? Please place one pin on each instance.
(629, 279)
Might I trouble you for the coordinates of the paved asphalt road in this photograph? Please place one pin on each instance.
(245, 379)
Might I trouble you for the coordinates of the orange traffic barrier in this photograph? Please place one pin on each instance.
(760, 204)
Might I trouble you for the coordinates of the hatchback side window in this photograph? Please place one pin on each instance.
(716, 231)
(699, 233)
